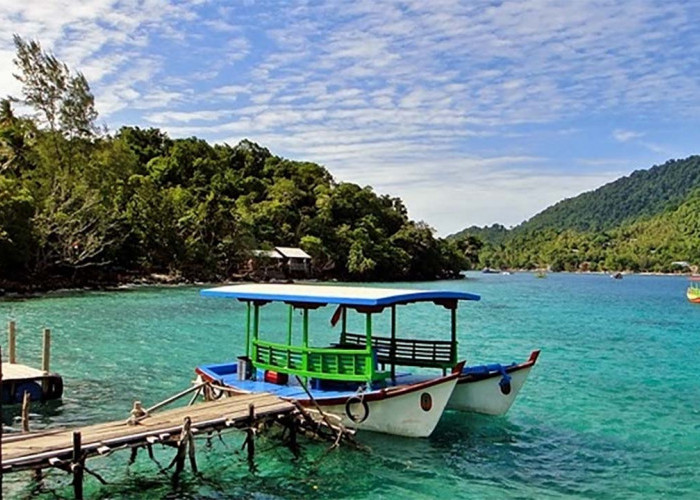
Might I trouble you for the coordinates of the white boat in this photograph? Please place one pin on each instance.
(356, 378)
(490, 389)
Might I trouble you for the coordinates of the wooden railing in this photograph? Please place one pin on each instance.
(352, 365)
(408, 352)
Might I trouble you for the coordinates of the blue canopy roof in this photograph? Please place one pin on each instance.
(342, 295)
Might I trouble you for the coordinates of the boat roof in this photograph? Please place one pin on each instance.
(329, 294)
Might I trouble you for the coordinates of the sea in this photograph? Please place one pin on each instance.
(611, 410)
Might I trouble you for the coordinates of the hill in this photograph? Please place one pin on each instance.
(641, 222)
(642, 194)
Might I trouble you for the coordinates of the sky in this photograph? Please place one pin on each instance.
(473, 112)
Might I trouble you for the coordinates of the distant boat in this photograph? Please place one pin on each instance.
(693, 292)
(540, 274)
(488, 270)
(616, 276)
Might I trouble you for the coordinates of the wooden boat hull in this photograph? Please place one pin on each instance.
(486, 393)
(410, 411)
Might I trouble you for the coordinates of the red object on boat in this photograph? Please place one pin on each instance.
(276, 378)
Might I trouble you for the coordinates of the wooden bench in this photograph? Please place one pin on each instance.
(407, 352)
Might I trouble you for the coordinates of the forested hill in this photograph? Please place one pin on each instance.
(80, 206)
(640, 195)
(494, 234)
(643, 222)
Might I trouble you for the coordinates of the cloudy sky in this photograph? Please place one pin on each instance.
(473, 111)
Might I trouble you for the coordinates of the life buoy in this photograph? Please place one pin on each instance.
(504, 384)
(365, 409)
(34, 390)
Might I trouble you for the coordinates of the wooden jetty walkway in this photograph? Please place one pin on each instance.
(18, 379)
(69, 449)
(47, 449)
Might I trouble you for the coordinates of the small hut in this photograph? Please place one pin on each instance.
(280, 263)
(297, 261)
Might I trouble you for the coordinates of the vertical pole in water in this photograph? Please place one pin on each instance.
(25, 412)
(77, 466)
(45, 361)
(247, 329)
(12, 341)
(46, 351)
(392, 352)
(250, 437)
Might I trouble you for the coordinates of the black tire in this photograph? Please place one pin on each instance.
(365, 409)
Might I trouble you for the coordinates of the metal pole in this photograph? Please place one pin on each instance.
(393, 342)
(247, 330)
(453, 324)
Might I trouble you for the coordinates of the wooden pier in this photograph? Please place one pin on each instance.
(18, 379)
(47, 449)
(68, 449)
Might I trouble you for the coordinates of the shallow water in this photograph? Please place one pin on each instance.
(612, 409)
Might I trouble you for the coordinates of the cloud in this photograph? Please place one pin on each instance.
(471, 110)
(625, 135)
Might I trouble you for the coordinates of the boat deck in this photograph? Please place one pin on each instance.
(295, 391)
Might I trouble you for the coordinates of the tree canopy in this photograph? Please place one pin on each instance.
(81, 204)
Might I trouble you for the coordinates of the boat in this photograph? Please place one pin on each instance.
(616, 276)
(357, 378)
(693, 291)
(488, 270)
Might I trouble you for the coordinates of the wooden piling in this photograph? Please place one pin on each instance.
(46, 351)
(250, 436)
(12, 341)
(45, 357)
(26, 398)
(77, 466)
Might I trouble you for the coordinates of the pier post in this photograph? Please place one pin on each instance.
(45, 355)
(250, 437)
(46, 351)
(77, 466)
(25, 411)
(12, 341)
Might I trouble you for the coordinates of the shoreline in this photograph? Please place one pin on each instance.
(15, 291)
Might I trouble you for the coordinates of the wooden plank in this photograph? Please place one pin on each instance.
(14, 371)
(35, 448)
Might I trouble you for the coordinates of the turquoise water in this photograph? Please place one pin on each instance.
(612, 410)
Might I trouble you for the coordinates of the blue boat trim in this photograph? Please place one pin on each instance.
(296, 293)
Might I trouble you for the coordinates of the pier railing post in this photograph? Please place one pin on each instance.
(12, 341)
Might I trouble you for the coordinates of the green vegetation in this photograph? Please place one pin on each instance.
(643, 222)
(78, 205)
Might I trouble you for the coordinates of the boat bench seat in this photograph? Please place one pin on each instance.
(406, 352)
